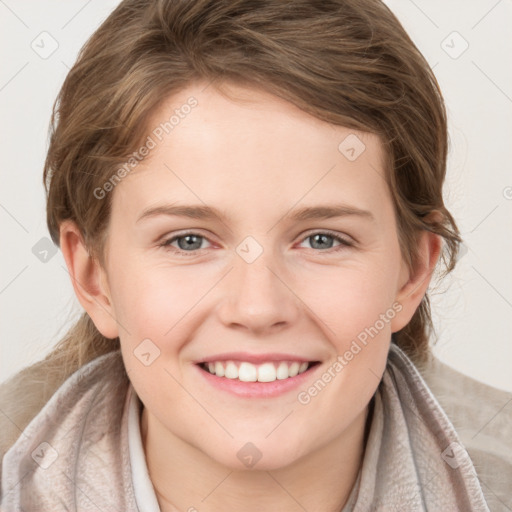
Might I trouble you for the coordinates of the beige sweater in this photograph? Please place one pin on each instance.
(74, 454)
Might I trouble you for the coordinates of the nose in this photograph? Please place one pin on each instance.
(257, 297)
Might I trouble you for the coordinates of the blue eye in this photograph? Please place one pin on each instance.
(320, 239)
(190, 243)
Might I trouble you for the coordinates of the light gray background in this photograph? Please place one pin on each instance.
(472, 309)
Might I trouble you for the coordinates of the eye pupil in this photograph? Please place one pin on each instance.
(189, 242)
(321, 239)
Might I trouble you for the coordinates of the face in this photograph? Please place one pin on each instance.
(270, 282)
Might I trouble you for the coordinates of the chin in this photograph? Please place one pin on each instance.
(258, 455)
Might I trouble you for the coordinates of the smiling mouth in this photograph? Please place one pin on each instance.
(243, 371)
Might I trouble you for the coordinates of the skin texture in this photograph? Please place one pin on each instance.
(257, 158)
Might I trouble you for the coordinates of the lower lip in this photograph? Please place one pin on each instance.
(257, 389)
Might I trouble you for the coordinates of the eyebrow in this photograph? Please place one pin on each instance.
(203, 212)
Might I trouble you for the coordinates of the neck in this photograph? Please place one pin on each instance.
(185, 478)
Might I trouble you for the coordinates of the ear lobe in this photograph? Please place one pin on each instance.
(411, 293)
(88, 279)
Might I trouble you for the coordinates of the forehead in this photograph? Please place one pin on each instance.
(230, 113)
(250, 149)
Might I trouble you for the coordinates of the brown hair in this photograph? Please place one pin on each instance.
(348, 62)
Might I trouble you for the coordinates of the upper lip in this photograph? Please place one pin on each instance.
(254, 358)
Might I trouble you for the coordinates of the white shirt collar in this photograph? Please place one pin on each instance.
(143, 488)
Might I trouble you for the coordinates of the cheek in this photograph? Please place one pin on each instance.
(356, 307)
(149, 301)
(169, 305)
(153, 304)
(155, 301)
(349, 298)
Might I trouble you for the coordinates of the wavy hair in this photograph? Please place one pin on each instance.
(348, 62)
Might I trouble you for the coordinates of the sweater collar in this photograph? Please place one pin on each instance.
(84, 448)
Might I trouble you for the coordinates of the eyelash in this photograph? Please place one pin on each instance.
(344, 243)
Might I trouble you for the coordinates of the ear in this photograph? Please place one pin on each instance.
(414, 284)
(89, 279)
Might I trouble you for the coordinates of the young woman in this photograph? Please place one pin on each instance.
(248, 198)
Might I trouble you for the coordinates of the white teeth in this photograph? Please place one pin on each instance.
(219, 369)
(294, 369)
(248, 372)
(267, 372)
(282, 371)
(231, 371)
